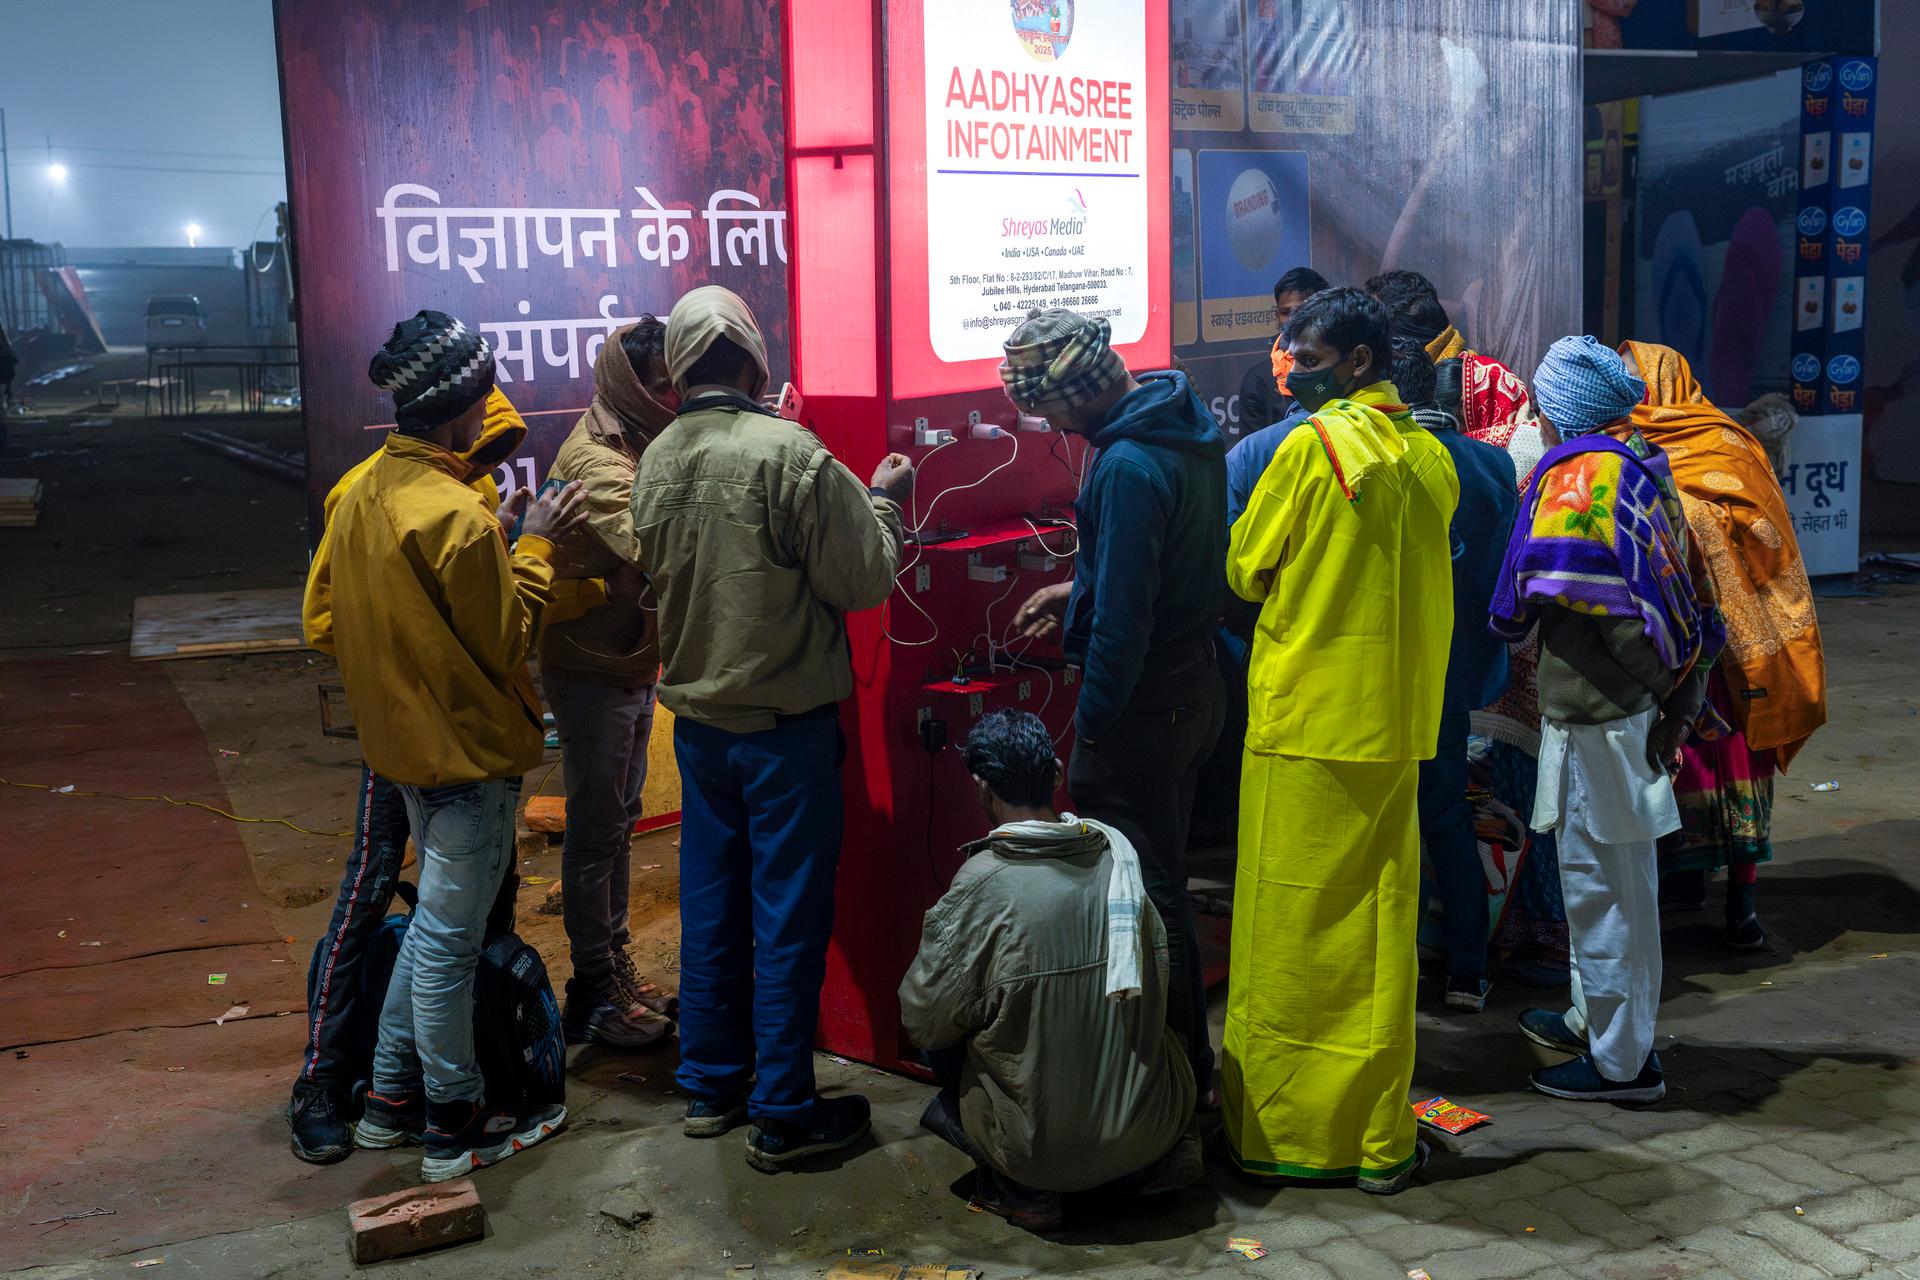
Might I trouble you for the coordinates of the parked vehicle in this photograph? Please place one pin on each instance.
(175, 320)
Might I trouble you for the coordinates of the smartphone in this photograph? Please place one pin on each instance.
(788, 405)
(550, 486)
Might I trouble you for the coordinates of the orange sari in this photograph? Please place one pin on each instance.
(1773, 663)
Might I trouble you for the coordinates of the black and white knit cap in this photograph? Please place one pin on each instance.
(435, 367)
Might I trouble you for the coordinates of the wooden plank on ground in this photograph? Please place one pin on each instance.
(19, 492)
(216, 622)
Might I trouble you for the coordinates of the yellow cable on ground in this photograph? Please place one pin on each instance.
(184, 804)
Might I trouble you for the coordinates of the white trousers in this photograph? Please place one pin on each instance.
(1613, 918)
(1608, 807)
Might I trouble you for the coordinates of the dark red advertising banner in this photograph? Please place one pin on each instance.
(547, 170)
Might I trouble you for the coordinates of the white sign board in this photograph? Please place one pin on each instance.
(1037, 164)
(1822, 483)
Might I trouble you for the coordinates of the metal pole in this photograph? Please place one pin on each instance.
(51, 237)
(6, 171)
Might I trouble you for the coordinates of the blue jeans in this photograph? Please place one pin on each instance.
(604, 732)
(761, 819)
(464, 834)
(1446, 824)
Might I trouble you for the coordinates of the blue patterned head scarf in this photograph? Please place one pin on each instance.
(1583, 386)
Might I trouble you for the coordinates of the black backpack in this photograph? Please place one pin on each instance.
(516, 1028)
(517, 1039)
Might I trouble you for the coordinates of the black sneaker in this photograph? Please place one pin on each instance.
(1549, 1030)
(836, 1124)
(317, 1118)
(1579, 1081)
(464, 1136)
(606, 1016)
(391, 1121)
(712, 1119)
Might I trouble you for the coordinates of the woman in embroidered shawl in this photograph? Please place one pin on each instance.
(1771, 683)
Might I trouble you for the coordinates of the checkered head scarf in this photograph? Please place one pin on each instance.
(1583, 386)
(435, 367)
(1057, 361)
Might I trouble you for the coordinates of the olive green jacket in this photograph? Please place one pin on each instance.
(758, 543)
(1063, 1089)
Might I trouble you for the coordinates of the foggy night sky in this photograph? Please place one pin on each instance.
(144, 99)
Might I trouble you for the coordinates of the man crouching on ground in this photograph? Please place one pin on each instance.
(1040, 991)
(433, 619)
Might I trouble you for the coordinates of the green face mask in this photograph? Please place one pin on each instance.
(1313, 389)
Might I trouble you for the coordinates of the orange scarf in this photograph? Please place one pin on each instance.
(1773, 662)
(1282, 366)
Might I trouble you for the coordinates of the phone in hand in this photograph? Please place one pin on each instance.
(553, 483)
(788, 405)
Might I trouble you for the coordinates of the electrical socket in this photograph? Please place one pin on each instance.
(1070, 677)
(1026, 690)
(978, 570)
(922, 578)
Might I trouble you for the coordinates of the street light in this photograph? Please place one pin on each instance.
(193, 235)
(58, 174)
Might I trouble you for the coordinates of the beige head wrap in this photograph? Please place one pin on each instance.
(700, 317)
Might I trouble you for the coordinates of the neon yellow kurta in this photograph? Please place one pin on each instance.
(1344, 544)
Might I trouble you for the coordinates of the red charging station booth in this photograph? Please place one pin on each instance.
(949, 166)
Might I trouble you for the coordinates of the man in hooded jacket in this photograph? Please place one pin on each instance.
(758, 543)
(599, 669)
(1141, 612)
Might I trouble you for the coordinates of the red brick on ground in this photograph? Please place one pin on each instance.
(415, 1219)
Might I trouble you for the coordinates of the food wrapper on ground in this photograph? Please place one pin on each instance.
(1450, 1116)
(1247, 1247)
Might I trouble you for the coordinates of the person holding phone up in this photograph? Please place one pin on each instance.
(758, 542)
(598, 668)
(433, 618)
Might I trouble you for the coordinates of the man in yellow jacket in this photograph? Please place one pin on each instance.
(433, 618)
(319, 1111)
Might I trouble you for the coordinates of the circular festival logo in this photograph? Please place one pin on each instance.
(1817, 77)
(1849, 221)
(1806, 367)
(1812, 220)
(1044, 27)
(1843, 369)
(1856, 75)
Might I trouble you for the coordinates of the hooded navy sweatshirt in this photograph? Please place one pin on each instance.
(1153, 546)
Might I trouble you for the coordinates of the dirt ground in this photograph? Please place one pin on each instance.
(1786, 1148)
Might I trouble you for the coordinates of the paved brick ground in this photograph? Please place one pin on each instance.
(1786, 1148)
